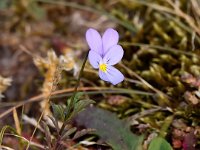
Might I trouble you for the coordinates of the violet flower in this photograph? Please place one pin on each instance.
(104, 53)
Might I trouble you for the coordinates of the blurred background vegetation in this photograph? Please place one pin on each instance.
(160, 94)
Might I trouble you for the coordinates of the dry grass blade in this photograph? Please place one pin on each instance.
(131, 119)
(176, 11)
(2, 134)
(155, 6)
(196, 10)
(158, 47)
(196, 5)
(93, 10)
(17, 122)
(6, 148)
(32, 121)
(23, 138)
(182, 25)
(46, 105)
(40, 97)
(132, 73)
(186, 17)
(52, 83)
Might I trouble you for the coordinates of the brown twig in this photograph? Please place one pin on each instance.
(41, 96)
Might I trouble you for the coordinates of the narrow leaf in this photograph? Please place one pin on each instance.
(159, 143)
(69, 132)
(58, 111)
(80, 105)
(47, 134)
(82, 133)
(55, 123)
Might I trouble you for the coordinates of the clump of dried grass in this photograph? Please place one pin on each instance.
(4, 84)
(53, 66)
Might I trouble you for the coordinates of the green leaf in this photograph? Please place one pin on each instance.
(81, 104)
(83, 132)
(58, 111)
(77, 104)
(112, 130)
(76, 98)
(159, 143)
(68, 133)
(47, 134)
(55, 122)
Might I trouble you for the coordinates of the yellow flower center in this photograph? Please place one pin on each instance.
(103, 67)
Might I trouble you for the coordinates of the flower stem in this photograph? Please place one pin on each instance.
(78, 81)
(70, 107)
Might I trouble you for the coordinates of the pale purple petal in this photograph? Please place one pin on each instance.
(94, 59)
(114, 75)
(94, 40)
(103, 76)
(109, 39)
(114, 55)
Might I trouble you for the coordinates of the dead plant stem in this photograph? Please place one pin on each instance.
(46, 105)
